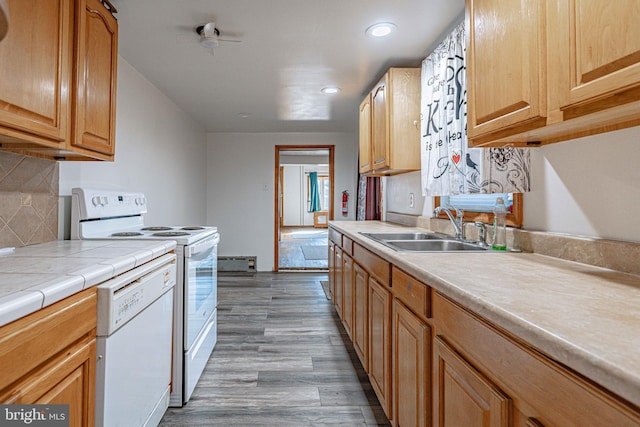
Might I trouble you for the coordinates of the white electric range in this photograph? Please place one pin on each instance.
(107, 214)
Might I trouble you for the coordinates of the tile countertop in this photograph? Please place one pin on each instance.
(587, 318)
(33, 277)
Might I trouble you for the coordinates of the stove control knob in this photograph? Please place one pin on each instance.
(104, 200)
(95, 200)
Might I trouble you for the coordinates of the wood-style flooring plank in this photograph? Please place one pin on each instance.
(282, 359)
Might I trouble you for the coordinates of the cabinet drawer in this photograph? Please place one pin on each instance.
(335, 236)
(415, 294)
(376, 266)
(347, 245)
(30, 341)
(541, 388)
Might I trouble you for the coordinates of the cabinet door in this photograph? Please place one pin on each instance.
(380, 343)
(463, 396)
(379, 126)
(598, 52)
(411, 367)
(365, 135)
(95, 78)
(71, 381)
(506, 60)
(347, 293)
(337, 279)
(35, 65)
(360, 304)
(332, 268)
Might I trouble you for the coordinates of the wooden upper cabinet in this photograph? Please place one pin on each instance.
(58, 86)
(395, 118)
(506, 88)
(599, 50)
(545, 72)
(365, 135)
(35, 65)
(95, 79)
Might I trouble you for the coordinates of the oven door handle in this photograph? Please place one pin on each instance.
(205, 245)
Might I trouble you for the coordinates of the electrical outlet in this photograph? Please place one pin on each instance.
(412, 200)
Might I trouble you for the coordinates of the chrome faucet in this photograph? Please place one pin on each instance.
(482, 233)
(458, 225)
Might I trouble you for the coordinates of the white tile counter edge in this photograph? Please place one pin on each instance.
(25, 301)
(620, 374)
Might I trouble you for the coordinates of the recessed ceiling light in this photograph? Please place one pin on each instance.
(244, 115)
(381, 29)
(330, 90)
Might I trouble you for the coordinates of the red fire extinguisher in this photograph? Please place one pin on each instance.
(345, 203)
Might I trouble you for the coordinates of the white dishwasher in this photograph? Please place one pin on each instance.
(134, 345)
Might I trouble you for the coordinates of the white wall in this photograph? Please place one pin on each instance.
(588, 186)
(159, 150)
(240, 190)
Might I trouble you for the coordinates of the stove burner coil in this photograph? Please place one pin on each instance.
(156, 228)
(171, 234)
(193, 228)
(127, 234)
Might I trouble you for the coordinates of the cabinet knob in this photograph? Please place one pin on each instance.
(416, 123)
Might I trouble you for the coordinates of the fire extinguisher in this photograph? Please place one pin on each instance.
(345, 203)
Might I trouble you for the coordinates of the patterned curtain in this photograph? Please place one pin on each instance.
(449, 167)
(368, 204)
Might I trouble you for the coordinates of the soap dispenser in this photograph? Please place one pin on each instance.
(499, 238)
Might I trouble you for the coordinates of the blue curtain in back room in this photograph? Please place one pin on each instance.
(449, 166)
(314, 193)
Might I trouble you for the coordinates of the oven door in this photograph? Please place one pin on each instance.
(200, 286)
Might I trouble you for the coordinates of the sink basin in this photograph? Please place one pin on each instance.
(433, 246)
(411, 235)
(421, 241)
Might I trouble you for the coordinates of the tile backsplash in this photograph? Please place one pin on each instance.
(28, 200)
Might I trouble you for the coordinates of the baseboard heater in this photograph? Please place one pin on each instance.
(237, 264)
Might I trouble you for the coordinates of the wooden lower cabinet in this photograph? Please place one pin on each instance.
(337, 281)
(478, 366)
(464, 397)
(347, 293)
(411, 353)
(331, 261)
(50, 357)
(432, 361)
(380, 343)
(360, 314)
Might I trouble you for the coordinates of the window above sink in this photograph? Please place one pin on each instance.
(479, 207)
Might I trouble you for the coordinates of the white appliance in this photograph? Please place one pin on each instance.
(109, 214)
(134, 345)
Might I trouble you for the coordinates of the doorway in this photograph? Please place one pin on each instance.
(303, 203)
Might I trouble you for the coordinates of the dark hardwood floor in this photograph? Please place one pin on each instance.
(282, 359)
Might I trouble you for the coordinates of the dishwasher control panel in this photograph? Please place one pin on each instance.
(123, 297)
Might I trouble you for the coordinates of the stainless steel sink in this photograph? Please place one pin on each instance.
(420, 241)
(411, 235)
(433, 246)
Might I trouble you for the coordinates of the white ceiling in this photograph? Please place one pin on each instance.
(290, 50)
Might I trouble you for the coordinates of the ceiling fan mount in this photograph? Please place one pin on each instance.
(210, 35)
